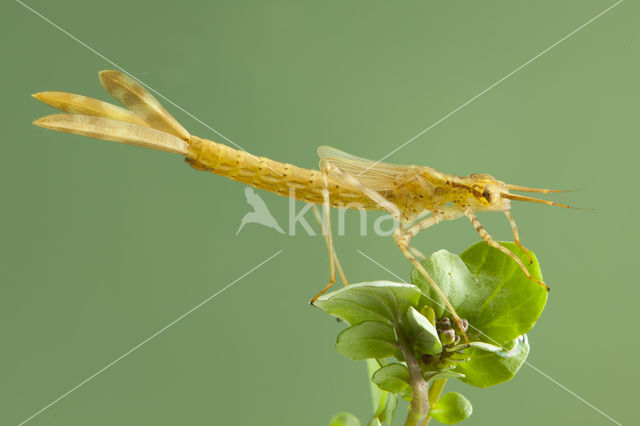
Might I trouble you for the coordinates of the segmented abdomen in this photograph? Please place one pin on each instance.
(263, 173)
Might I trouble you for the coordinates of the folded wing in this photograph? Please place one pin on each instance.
(117, 131)
(135, 97)
(145, 124)
(79, 104)
(374, 175)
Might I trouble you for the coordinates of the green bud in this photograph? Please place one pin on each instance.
(429, 313)
(444, 324)
(447, 337)
(464, 324)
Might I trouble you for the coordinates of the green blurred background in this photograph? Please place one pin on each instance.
(103, 245)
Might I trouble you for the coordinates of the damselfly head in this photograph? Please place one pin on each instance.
(488, 193)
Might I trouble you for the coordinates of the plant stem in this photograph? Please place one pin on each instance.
(434, 395)
(419, 403)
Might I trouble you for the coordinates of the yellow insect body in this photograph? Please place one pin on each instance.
(273, 176)
(346, 181)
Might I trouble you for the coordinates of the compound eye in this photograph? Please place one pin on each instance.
(486, 194)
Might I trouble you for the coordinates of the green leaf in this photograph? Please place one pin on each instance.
(487, 368)
(423, 333)
(376, 393)
(392, 377)
(368, 339)
(487, 288)
(442, 374)
(381, 301)
(510, 303)
(455, 281)
(344, 419)
(451, 408)
(384, 403)
(486, 347)
(386, 409)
